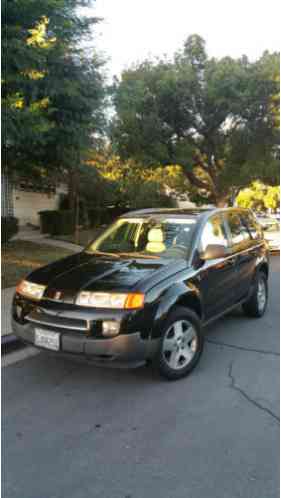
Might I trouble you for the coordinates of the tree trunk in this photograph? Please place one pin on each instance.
(222, 200)
(73, 195)
(77, 220)
(72, 189)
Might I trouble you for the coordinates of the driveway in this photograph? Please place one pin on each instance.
(75, 431)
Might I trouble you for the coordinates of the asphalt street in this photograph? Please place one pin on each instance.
(72, 430)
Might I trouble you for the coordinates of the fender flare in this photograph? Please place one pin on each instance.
(178, 294)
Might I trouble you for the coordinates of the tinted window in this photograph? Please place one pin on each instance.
(253, 225)
(213, 233)
(238, 229)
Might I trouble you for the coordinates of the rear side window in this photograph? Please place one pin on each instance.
(253, 226)
(213, 233)
(239, 231)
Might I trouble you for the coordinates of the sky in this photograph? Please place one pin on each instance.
(135, 29)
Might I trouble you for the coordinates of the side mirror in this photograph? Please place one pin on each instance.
(214, 251)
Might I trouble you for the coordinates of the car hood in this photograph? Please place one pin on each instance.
(66, 277)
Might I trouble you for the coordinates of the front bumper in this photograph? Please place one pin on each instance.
(124, 349)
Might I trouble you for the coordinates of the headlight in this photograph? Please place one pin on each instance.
(110, 300)
(29, 289)
(110, 328)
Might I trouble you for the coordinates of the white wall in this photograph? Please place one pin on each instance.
(28, 204)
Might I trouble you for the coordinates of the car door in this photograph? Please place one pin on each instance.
(241, 243)
(216, 276)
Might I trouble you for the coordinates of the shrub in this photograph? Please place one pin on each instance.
(57, 222)
(9, 228)
(47, 219)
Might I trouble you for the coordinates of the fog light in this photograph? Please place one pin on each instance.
(110, 328)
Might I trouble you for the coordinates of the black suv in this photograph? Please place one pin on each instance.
(146, 287)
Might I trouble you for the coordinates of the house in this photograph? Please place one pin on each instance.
(25, 199)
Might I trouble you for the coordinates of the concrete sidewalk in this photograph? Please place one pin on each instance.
(57, 243)
(39, 238)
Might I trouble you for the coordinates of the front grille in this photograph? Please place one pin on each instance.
(60, 322)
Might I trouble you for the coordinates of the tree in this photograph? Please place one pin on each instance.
(78, 96)
(49, 84)
(53, 92)
(25, 45)
(272, 198)
(132, 185)
(212, 117)
(259, 197)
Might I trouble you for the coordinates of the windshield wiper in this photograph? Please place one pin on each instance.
(138, 255)
(101, 253)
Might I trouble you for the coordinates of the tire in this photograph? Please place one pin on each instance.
(256, 305)
(181, 344)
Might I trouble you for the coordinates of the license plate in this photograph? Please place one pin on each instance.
(47, 339)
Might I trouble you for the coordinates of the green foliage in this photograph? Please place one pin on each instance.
(272, 198)
(127, 183)
(212, 117)
(259, 197)
(109, 188)
(145, 195)
(9, 228)
(53, 91)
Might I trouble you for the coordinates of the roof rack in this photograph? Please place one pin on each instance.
(175, 211)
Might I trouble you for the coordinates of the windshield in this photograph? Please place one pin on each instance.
(148, 238)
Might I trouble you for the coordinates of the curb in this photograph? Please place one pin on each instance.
(10, 343)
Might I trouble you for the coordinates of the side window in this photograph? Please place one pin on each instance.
(239, 231)
(213, 233)
(253, 225)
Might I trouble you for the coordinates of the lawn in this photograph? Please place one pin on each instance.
(21, 257)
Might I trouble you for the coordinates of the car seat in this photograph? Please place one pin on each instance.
(155, 240)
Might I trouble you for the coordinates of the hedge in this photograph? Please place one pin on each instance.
(9, 228)
(104, 215)
(47, 220)
(57, 222)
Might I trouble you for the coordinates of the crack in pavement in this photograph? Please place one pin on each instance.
(242, 348)
(234, 386)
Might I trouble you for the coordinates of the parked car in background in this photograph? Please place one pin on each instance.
(276, 216)
(145, 289)
(271, 228)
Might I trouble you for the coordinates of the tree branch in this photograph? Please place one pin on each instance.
(195, 180)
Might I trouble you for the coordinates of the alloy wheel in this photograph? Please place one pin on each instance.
(180, 344)
(261, 295)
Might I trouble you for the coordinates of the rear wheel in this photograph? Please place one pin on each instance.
(181, 344)
(257, 304)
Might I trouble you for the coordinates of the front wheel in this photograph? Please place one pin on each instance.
(181, 344)
(256, 305)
